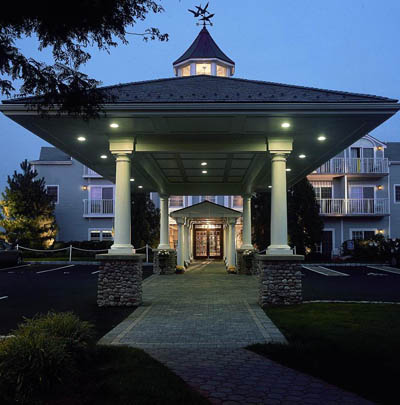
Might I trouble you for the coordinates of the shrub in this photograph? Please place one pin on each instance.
(45, 353)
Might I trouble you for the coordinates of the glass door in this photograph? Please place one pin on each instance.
(208, 241)
(214, 239)
(201, 243)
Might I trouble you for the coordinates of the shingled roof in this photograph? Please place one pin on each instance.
(204, 47)
(218, 89)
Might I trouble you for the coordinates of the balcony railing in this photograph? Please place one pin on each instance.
(98, 208)
(87, 172)
(354, 165)
(366, 206)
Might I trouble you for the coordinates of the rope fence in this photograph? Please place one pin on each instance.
(70, 248)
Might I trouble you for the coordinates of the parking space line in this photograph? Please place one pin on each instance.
(3, 298)
(324, 271)
(58, 268)
(15, 267)
(95, 272)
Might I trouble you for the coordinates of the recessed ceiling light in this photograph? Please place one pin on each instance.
(204, 163)
(302, 156)
(204, 171)
(114, 125)
(132, 179)
(285, 125)
(140, 186)
(103, 156)
(288, 170)
(81, 139)
(269, 186)
(321, 138)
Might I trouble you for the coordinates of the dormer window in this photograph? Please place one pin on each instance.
(203, 68)
(221, 70)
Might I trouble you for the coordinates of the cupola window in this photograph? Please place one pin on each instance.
(186, 70)
(221, 70)
(203, 68)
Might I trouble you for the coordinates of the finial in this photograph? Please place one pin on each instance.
(204, 14)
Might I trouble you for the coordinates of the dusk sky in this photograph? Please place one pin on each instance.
(338, 44)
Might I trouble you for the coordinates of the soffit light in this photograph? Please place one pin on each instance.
(140, 186)
(285, 125)
(132, 179)
(114, 125)
(322, 138)
(204, 163)
(302, 156)
(103, 156)
(81, 139)
(269, 186)
(288, 170)
(204, 171)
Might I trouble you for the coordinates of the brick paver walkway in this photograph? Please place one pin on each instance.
(198, 324)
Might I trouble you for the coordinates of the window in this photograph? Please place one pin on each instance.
(52, 191)
(176, 201)
(100, 235)
(362, 192)
(186, 70)
(101, 193)
(237, 201)
(221, 70)
(397, 193)
(203, 68)
(361, 234)
(322, 189)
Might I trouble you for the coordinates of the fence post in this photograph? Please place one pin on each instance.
(70, 253)
(147, 253)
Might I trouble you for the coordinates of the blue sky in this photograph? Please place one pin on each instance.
(338, 44)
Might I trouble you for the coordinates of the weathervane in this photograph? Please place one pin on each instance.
(204, 14)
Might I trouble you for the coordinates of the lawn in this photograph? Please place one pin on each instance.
(124, 376)
(353, 346)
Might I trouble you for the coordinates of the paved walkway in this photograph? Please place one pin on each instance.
(198, 324)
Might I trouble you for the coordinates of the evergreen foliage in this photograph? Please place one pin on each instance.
(67, 32)
(27, 211)
(304, 223)
(145, 221)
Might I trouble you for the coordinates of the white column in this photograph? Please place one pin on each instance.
(181, 242)
(225, 243)
(164, 223)
(247, 222)
(279, 239)
(231, 244)
(122, 221)
(187, 253)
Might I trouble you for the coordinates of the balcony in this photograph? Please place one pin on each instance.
(89, 173)
(353, 207)
(354, 166)
(98, 208)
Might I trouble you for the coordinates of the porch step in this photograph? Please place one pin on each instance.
(324, 270)
(388, 269)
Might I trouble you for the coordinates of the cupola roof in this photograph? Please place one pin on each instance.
(204, 47)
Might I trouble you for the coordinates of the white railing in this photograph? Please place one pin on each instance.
(355, 165)
(365, 206)
(87, 172)
(98, 208)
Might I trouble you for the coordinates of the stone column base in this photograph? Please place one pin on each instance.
(120, 280)
(280, 280)
(164, 264)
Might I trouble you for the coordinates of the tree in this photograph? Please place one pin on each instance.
(304, 223)
(145, 221)
(67, 29)
(27, 211)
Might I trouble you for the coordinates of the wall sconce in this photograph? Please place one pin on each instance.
(380, 187)
(379, 148)
(381, 231)
(84, 188)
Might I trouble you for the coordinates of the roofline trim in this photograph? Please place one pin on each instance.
(51, 162)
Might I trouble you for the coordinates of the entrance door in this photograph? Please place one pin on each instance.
(327, 243)
(208, 242)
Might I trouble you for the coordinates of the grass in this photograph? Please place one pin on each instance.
(124, 376)
(353, 346)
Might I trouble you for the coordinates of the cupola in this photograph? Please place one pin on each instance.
(204, 57)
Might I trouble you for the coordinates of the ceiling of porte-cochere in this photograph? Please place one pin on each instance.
(225, 123)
